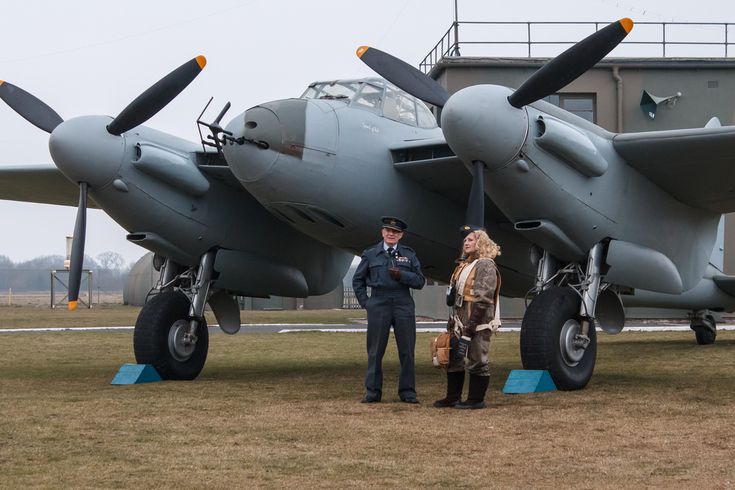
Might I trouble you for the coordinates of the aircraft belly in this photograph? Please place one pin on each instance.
(705, 295)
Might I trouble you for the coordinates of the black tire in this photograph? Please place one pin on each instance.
(541, 333)
(703, 333)
(151, 344)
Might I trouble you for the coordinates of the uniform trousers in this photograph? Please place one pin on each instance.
(386, 309)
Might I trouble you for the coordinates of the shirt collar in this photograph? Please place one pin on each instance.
(386, 246)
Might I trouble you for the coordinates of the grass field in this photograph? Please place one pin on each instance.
(282, 410)
(110, 315)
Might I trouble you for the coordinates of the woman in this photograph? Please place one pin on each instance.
(476, 286)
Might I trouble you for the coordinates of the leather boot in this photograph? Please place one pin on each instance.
(476, 395)
(455, 382)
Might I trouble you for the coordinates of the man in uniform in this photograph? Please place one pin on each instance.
(390, 270)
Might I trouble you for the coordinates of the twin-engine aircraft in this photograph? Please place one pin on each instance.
(279, 200)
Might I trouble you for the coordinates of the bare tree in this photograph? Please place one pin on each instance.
(111, 260)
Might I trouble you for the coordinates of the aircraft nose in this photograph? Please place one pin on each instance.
(85, 151)
(263, 138)
(269, 131)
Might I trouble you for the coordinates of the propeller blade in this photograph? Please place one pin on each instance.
(476, 202)
(29, 107)
(404, 76)
(572, 63)
(147, 104)
(77, 248)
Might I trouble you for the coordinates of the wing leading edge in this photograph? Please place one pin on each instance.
(43, 184)
(694, 165)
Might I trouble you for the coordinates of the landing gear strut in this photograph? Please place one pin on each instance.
(171, 333)
(558, 329)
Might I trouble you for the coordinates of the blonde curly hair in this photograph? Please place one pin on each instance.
(486, 247)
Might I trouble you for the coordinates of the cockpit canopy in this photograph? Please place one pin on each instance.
(375, 95)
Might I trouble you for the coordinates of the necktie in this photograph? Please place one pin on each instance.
(391, 253)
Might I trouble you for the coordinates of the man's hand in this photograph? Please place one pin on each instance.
(395, 273)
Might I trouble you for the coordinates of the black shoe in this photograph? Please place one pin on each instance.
(410, 399)
(370, 399)
(445, 403)
(476, 395)
(455, 381)
(469, 404)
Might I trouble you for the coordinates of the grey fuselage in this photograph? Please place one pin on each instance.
(329, 173)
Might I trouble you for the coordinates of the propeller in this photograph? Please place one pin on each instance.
(404, 76)
(29, 107)
(553, 76)
(570, 64)
(158, 95)
(145, 106)
(77, 248)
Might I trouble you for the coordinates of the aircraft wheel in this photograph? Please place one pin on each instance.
(159, 333)
(548, 329)
(705, 331)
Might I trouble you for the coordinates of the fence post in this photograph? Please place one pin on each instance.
(663, 30)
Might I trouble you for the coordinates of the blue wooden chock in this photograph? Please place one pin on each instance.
(528, 381)
(133, 374)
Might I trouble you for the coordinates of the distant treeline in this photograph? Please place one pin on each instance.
(109, 272)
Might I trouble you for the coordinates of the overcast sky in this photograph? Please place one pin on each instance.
(92, 57)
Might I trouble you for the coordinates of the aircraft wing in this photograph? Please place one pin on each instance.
(39, 183)
(695, 165)
(431, 163)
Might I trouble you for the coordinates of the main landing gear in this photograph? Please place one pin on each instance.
(171, 333)
(558, 329)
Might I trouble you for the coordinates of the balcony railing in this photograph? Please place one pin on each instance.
(547, 39)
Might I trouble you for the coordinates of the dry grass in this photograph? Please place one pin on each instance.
(106, 315)
(282, 411)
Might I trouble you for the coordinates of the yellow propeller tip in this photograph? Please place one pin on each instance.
(201, 61)
(361, 50)
(72, 305)
(627, 24)
(1, 82)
